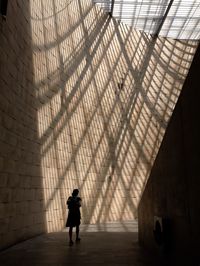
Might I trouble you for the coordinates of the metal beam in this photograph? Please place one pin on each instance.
(112, 7)
(164, 17)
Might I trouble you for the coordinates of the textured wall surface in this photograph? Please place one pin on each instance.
(173, 188)
(85, 103)
(21, 187)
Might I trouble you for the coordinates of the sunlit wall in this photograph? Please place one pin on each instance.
(105, 95)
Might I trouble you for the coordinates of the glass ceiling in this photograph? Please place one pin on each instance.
(177, 19)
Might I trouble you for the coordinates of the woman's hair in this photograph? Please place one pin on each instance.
(75, 192)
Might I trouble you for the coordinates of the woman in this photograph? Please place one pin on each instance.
(74, 215)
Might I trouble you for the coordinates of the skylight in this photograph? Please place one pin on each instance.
(177, 19)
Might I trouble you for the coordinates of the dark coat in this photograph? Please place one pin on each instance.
(74, 215)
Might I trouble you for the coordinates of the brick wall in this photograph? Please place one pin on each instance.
(85, 102)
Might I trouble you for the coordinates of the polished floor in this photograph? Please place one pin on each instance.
(112, 244)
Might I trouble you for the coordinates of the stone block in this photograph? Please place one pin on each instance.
(29, 194)
(5, 195)
(3, 180)
(13, 180)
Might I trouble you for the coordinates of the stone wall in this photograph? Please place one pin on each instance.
(21, 186)
(85, 102)
(173, 189)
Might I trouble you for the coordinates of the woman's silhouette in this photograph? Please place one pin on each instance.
(74, 215)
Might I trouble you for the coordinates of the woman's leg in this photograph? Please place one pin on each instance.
(77, 233)
(70, 234)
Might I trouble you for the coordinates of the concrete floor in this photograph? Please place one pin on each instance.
(110, 244)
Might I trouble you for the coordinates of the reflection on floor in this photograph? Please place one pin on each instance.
(108, 244)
